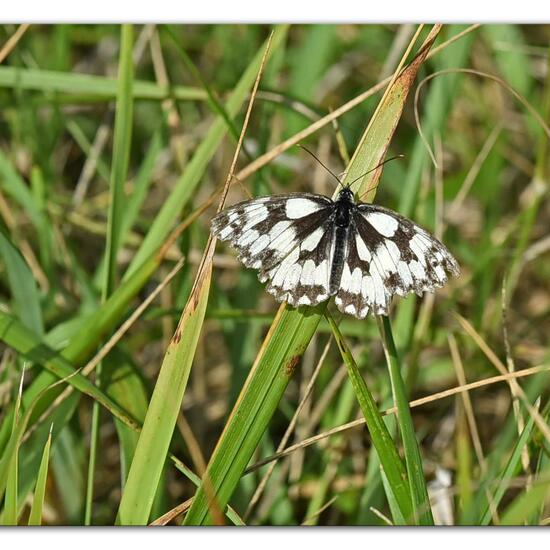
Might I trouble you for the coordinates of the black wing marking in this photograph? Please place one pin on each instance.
(282, 236)
(389, 254)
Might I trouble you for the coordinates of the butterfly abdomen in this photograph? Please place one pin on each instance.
(342, 221)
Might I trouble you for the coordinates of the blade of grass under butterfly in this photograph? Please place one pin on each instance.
(413, 459)
(35, 516)
(381, 439)
(291, 329)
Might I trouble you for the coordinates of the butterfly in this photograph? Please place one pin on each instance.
(309, 247)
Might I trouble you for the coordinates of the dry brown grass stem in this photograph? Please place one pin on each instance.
(12, 41)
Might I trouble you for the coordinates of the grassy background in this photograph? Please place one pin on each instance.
(112, 136)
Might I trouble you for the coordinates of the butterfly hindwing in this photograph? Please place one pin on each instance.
(388, 254)
(302, 278)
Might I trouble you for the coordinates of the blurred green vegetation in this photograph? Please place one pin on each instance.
(73, 267)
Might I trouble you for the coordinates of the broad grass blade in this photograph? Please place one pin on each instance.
(156, 434)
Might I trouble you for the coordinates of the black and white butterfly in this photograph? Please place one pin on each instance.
(310, 247)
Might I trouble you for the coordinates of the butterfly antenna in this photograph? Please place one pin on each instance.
(323, 165)
(375, 168)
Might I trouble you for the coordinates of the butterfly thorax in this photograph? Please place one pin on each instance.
(344, 206)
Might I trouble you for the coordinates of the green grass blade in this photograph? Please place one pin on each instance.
(25, 342)
(22, 285)
(10, 502)
(12, 482)
(35, 516)
(286, 341)
(187, 183)
(164, 407)
(509, 471)
(392, 465)
(8, 460)
(90, 86)
(528, 502)
(413, 459)
(121, 154)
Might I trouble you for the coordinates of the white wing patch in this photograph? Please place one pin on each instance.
(383, 223)
(299, 208)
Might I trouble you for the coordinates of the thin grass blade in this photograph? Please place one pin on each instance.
(35, 516)
(413, 459)
(390, 460)
(511, 468)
